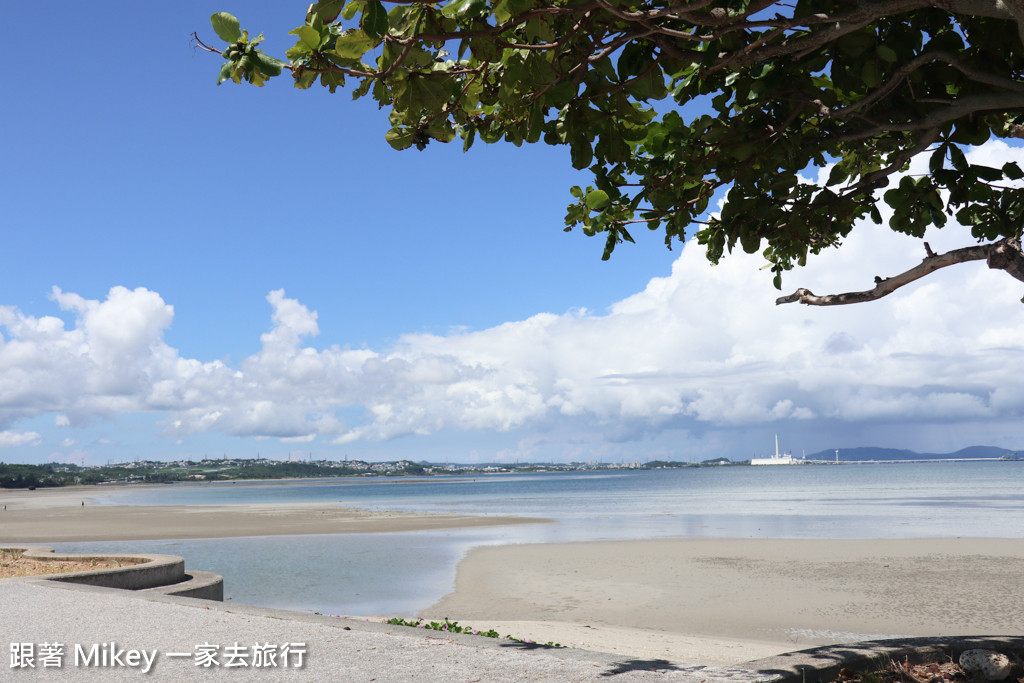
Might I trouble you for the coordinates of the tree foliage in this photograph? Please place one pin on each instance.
(669, 102)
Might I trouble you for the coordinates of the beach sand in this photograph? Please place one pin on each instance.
(714, 602)
(56, 515)
(726, 601)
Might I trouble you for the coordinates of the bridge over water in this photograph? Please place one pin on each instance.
(890, 462)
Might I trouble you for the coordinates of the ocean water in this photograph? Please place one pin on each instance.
(402, 573)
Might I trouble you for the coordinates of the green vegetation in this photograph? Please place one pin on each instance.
(36, 476)
(454, 627)
(153, 472)
(672, 105)
(225, 469)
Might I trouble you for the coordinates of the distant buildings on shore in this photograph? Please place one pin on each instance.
(227, 469)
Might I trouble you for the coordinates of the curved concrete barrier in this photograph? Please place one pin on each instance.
(140, 572)
(202, 585)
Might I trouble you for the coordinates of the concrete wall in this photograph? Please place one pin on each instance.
(164, 574)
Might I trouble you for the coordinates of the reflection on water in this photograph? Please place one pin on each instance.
(401, 573)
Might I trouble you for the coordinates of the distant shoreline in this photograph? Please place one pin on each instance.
(50, 475)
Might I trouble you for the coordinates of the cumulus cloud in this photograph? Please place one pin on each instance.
(701, 346)
(10, 439)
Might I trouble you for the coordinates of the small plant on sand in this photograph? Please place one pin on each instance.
(454, 627)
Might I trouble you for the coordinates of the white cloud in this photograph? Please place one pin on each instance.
(10, 439)
(299, 439)
(702, 346)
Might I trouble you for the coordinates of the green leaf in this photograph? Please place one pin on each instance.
(327, 10)
(971, 131)
(225, 72)
(332, 80)
(650, 87)
(871, 72)
(837, 175)
(304, 78)
(375, 19)
(353, 44)
(1012, 171)
(609, 246)
(987, 173)
(352, 8)
(958, 158)
(400, 138)
(268, 65)
(465, 9)
(596, 200)
(855, 44)
(886, 54)
(750, 242)
(425, 93)
(635, 58)
(441, 130)
(309, 38)
(504, 9)
(404, 19)
(535, 124)
(363, 88)
(581, 153)
(485, 49)
(226, 27)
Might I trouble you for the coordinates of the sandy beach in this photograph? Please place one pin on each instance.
(716, 602)
(725, 601)
(55, 515)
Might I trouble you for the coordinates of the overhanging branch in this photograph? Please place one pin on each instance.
(1002, 255)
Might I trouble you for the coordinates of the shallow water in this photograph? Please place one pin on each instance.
(401, 573)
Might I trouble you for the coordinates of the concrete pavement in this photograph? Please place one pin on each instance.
(108, 634)
(66, 632)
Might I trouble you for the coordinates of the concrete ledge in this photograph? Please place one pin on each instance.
(201, 585)
(140, 572)
(823, 663)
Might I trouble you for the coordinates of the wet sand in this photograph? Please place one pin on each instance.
(726, 601)
(56, 515)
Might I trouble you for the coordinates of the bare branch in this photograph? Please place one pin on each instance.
(1002, 255)
(902, 73)
(197, 42)
(840, 25)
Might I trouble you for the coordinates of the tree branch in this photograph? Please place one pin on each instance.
(1002, 255)
(902, 73)
(807, 42)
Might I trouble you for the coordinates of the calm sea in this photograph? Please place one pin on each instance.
(401, 573)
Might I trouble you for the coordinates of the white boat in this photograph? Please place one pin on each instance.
(777, 459)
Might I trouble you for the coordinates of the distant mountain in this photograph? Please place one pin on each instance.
(981, 452)
(873, 453)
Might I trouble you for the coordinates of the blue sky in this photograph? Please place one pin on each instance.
(189, 269)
